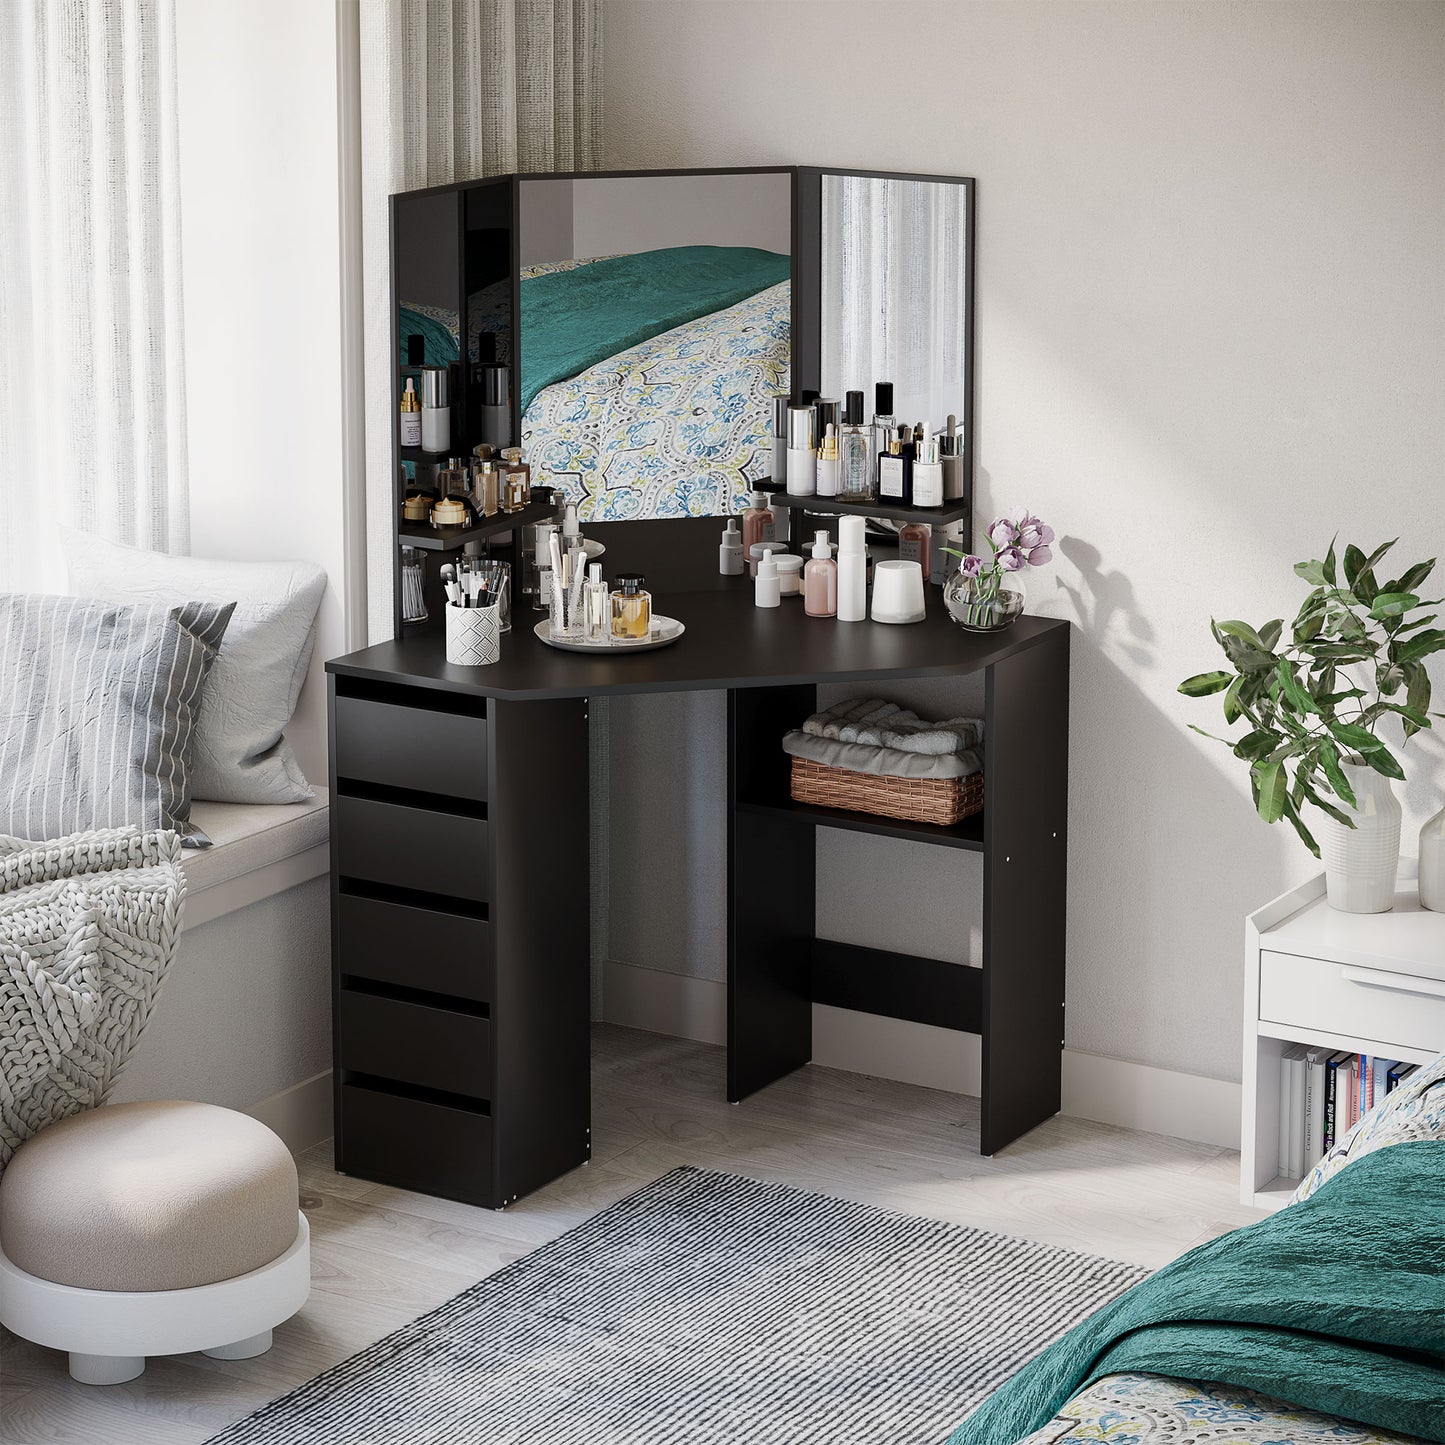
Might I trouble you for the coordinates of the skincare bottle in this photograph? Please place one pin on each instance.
(756, 551)
(852, 570)
(496, 404)
(802, 452)
(516, 480)
(828, 463)
(596, 604)
(765, 586)
(780, 440)
(892, 474)
(820, 580)
(827, 411)
(631, 608)
(536, 581)
(915, 544)
(950, 454)
(855, 454)
(757, 522)
(730, 553)
(927, 474)
(436, 413)
(410, 417)
(883, 419)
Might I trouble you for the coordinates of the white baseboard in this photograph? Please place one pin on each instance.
(1111, 1091)
(301, 1115)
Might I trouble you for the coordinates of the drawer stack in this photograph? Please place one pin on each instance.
(460, 989)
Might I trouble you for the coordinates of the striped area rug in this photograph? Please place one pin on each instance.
(708, 1309)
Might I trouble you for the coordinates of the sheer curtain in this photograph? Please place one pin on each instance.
(893, 293)
(92, 394)
(452, 89)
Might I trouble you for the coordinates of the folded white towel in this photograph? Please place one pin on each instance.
(873, 722)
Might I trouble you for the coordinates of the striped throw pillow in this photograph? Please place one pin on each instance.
(97, 706)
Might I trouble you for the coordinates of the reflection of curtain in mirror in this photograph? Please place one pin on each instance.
(453, 90)
(893, 293)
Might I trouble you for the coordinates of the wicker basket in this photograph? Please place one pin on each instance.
(914, 800)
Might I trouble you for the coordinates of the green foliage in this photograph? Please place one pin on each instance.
(1355, 658)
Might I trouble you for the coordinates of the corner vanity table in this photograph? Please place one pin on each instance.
(460, 795)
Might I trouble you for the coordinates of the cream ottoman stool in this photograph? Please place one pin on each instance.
(151, 1229)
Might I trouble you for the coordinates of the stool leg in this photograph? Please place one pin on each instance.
(105, 1369)
(246, 1349)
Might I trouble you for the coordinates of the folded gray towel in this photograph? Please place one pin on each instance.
(882, 762)
(873, 722)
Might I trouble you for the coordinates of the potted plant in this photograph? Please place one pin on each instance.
(1314, 709)
(987, 595)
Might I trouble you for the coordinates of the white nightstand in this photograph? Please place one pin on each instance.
(1369, 983)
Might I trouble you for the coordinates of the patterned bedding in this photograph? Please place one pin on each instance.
(1152, 1410)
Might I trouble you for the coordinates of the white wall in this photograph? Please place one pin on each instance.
(1211, 333)
(261, 253)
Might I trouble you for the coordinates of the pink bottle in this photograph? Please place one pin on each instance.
(820, 580)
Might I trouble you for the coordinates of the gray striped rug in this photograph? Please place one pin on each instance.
(708, 1309)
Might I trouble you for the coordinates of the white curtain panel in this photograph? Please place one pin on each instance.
(92, 394)
(893, 293)
(452, 90)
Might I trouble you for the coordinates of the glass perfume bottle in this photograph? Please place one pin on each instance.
(516, 480)
(883, 419)
(893, 472)
(855, 454)
(596, 605)
(631, 608)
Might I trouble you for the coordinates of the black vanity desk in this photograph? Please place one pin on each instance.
(460, 871)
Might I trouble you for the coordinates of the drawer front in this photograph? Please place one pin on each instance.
(415, 947)
(416, 1043)
(428, 1147)
(411, 847)
(1390, 1008)
(411, 747)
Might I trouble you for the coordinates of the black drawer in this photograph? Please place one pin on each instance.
(415, 1043)
(432, 1148)
(415, 947)
(410, 847)
(411, 747)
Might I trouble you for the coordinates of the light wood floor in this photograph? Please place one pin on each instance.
(382, 1256)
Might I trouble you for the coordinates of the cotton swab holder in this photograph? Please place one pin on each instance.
(474, 635)
(898, 592)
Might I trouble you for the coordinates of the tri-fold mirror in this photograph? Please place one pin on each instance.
(631, 331)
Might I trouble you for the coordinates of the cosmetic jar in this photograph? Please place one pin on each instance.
(790, 574)
(898, 592)
(755, 555)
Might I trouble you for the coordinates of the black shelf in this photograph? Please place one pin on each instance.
(448, 539)
(967, 834)
(939, 516)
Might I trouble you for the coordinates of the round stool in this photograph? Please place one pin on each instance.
(151, 1229)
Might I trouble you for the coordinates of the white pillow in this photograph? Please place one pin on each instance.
(239, 754)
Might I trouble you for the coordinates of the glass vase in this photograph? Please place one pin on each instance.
(984, 604)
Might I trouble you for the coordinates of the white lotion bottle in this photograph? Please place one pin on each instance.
(852, 570)
(436, 412)
(766, 592)
(730, 553)
(802, 452)
(828, 463)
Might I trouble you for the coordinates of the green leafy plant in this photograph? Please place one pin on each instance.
(1355, 658)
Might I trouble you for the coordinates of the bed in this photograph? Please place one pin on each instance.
(647, 379)
(1336, 1305)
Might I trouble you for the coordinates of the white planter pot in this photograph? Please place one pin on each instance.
(1361, 862)
(1432, 863)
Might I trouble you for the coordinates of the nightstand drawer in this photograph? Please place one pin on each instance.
(1368, 1003)
(415, 947)
(407, 847)
(411, 747)
(415, 1144)
(416, 1043)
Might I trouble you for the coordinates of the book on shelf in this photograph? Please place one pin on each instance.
(1397, 1075)
(1334, 1101)
(1322, 1095)
(1314, 1107)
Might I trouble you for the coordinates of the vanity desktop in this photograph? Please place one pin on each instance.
(460, 871)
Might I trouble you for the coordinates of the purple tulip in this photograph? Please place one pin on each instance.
(1003, 533)
(971, 567)
(1010, 559)
(1039, 555)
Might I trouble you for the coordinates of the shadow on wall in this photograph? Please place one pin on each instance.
(1104, 604)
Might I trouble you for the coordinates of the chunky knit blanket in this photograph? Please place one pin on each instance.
(88, 928)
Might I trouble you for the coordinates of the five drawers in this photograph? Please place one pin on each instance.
(415, 1144)
(409, 847)
(1391, 1008)
(415, 947)
(411, 747)
(415, 1043)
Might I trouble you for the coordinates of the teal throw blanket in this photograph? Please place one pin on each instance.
(1334, 1304)
(573, 319)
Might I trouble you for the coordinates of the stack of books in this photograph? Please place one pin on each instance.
(1322, 1094)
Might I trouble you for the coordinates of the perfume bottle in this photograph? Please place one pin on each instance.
(927, 473)
(802, 452)
(828, 462)
(820, 580)
(596, 605)
(883, 419)
(758, 525)
(893, 470)
(950, 454)
(486, 484)
(516, 480)
(410, 416)
(855, 454)
(631, 608)
(915, 544)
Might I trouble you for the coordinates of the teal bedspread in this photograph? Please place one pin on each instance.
(573, 319)
(1335, 1304)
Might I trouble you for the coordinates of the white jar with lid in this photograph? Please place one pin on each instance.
(790, 574)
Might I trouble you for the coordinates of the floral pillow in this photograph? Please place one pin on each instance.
(1416, 1110)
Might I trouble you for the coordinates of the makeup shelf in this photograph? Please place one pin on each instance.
(448, 539)
(939, 516)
